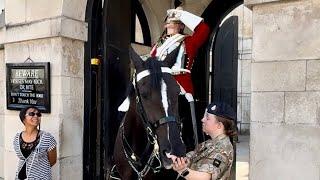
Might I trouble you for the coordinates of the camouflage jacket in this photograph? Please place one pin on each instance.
(213, 156)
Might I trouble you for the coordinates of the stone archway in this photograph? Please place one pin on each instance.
(74, 9)
(54, 32)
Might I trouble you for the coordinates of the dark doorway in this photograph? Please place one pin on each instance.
(107, 73)
(110, 31)
(213, 15)
(224, 75)
(225, 63)
(215, 70)
(92, 141)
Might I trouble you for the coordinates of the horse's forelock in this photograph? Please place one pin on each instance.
(155, 72)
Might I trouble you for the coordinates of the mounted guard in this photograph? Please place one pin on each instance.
(174, 37)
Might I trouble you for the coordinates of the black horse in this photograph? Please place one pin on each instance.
(149, 132)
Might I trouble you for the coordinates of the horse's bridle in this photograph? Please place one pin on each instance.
(149, 128)
(141, 109)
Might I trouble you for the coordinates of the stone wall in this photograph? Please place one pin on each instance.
(1, 5)
(285, 85)
(285, 81)
(2, 87)
(65, 121)
(55, 32)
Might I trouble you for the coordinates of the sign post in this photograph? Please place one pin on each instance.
(28, 84)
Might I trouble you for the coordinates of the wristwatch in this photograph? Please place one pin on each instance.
(184, 173)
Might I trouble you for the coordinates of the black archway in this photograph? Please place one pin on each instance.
(110, 32)
(93, 48)
(213, 15)
(223, 40)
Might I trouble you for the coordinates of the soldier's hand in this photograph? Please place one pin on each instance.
(180, 164)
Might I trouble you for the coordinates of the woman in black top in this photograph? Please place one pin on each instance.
(27, 146)
(26, 149)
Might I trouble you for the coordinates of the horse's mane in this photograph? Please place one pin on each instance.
(154, 66)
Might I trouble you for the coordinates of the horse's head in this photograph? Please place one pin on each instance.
(158, 92)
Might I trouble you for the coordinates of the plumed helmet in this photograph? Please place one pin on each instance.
(173, 16)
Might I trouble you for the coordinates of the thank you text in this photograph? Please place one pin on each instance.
(28, 84)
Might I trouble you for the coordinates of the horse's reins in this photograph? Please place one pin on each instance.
(149, 128)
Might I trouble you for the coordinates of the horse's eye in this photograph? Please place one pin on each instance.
(145, 95)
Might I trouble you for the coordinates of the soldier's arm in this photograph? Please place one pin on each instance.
(199, 36)
(181, 166)
(196, 24)
(214, 165)
(220, 165)
(190, 154)
(197, 175)
(208, 169)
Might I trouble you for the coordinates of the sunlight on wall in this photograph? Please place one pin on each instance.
(1, 5)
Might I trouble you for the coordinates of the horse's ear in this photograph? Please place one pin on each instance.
(135, 59)
(170, 59)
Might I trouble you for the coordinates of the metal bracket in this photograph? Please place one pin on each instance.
(28, 60)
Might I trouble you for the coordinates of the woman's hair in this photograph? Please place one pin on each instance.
(229, 127)
(23, 112)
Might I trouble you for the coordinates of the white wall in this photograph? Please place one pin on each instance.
(285, 121)
(1, 5)
(55, 32)
(1, 119)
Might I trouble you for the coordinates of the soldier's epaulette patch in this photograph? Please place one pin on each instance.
(216, 162)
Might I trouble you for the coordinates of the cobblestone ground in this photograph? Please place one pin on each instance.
(242, 164)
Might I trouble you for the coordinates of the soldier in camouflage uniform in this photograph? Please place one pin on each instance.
(213, 158)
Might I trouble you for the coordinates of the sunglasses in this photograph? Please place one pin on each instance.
(33, 114)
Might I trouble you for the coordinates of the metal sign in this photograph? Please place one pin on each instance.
(28, 84)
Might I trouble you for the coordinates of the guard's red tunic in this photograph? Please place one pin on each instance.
(192, 44)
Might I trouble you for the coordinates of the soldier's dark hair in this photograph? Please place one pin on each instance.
(23, 112)
(229, 126)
